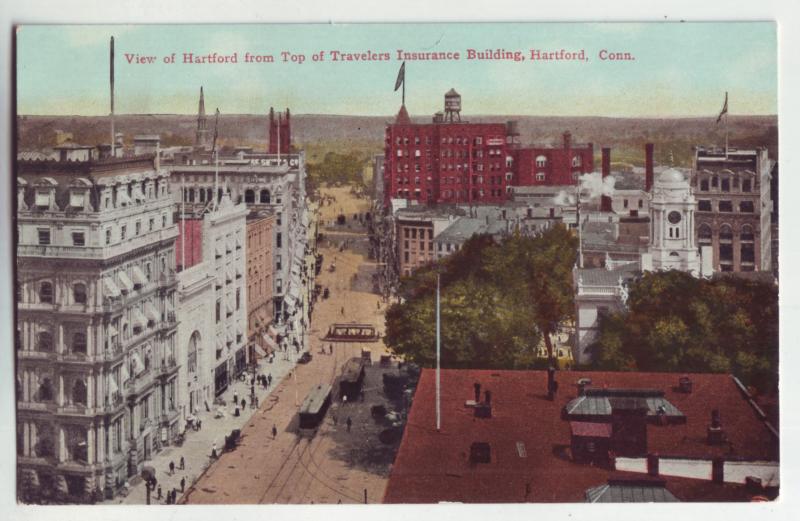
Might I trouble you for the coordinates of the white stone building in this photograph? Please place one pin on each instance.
(97, 367)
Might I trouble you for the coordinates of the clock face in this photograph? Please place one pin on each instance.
(674, 217)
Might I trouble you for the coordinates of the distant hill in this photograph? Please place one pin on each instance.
(673, 137)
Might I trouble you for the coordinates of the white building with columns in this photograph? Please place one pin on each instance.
(97, 368)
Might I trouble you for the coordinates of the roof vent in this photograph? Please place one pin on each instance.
(685, 384)
(583, 383)
(480, 452)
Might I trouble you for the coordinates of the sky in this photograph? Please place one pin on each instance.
(680, 69)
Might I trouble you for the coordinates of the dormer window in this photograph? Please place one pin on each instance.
(42, 199)
(77, 199)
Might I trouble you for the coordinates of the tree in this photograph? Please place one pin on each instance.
(498, 300)
(675, 322)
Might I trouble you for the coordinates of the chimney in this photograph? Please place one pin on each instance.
(648, 167)
(477, 388)
(488, 397)
(715, 433)
(605, 201)
(718, 470)
(685, 384)
(567, 140)
(652, 464)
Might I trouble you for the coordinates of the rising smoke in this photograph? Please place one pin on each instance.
(592, 186)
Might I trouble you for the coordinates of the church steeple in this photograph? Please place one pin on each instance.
(201, 136)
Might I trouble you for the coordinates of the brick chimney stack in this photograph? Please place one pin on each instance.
(605, 201)
(648, 167)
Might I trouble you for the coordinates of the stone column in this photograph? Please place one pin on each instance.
(90, 445)
(60, 346)
(62, 445)
(26, 439)
(90, 382)
(90, 351)
(101, 443)
(60, 400)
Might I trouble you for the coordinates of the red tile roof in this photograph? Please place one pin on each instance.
(434, 466)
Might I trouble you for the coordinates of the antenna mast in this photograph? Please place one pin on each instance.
(215, 155)
(438, 357)
(111, 63)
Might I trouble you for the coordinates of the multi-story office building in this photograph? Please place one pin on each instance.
(97, 367)
(454, 161)
(734, 205)
(259, 278)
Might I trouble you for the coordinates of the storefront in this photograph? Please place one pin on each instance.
(241, 360)
(220, 378)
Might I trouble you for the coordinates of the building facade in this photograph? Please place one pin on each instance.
(260, 312)
(734, 204)
(97, 361)
(454, 161)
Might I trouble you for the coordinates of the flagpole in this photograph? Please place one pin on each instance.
(404, 87)
(183, 221)
(438, 358)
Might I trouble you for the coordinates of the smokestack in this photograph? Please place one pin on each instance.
(605, 201)
(648, 167)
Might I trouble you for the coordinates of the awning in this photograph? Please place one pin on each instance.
(151, 312)
(124, 281)
(220, 344)
(112, 386)
(239, 271)
(110, 288)
(228, 337)
(218, 248)
(228, 275)
(42, 199)
(122, 197)
(124, 376)
(228, 308)
(238, 242)
(76, 200)
(269, 342)
(228, 245)
(138, 319)
(138, 366)
(139, 278)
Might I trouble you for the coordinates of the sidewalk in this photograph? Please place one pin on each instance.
(196, 449)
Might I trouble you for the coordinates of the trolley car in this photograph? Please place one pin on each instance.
(352, 379)
(351, 333)
(315, 406)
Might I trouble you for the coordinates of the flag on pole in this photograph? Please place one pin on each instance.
(401, 77)
(216, 120)
(724, 109)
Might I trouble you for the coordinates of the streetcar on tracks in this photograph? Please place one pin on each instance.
(314, 407)
(351, 333)
(352, 379)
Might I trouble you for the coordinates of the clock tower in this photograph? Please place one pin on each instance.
(672, 241)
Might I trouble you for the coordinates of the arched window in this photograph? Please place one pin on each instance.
(44, 446)
(44, 341)
(704, 185)
(46, 293)
(674, 254)
(704, 234)
(747, 233)
(79, 392)
(249, 196)
(202, 195)
(541, 161)
(725, 233)
(79, 343)
(576, 161)
(264, 198)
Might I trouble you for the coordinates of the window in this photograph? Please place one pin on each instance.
(278, 262)
(44, 341)
(704, 205)
(164, 221)
(726, 184)
(748, 252)
(238, 297)
(249, 196)
(746, 185)
(108, 237)
(279, 218)
(279, 285)
(44, 236)
(78, 239)
(278, 240)
(540, 176)
(746, 207)
(725, 206)
(152, 224)
(725, 233)
(264, 197)
(541, 161)
(79, 293)
(79, 343)
(218, 310)
(122, 232)
(138, 227)
(714, 182)
(704, 234)
(747, 233)
(46, 293)
(405, 256)
(624, 203)
(413, 233)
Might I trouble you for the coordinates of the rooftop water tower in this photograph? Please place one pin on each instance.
(452, 106)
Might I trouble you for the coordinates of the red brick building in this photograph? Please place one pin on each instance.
(280, 132)
(190, 237)
(259, 276)
(454, 161)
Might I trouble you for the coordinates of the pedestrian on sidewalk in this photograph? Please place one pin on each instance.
(183, 464)
(159, 492)
(344, 399)
(235, 397)
(331, 348)
(183, 483)
(214, 450)
(342, 310)
(349, 423)
(174, 495)
(171, 468)
(244, 403)
(274, 431)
